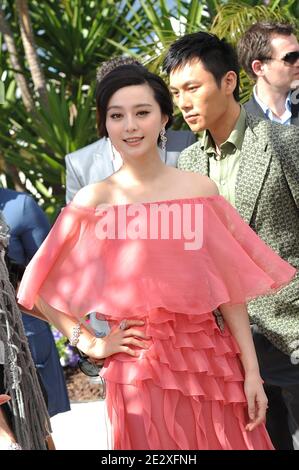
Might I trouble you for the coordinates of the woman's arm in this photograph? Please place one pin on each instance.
(34, 313)
(236, 318)
(118, 340)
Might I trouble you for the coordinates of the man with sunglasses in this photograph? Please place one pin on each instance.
(269, 53)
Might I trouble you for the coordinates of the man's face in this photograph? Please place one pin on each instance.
(203, 103)
(279, 74)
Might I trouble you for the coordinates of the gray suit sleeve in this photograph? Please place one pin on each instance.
(290, 162)
(73, 183)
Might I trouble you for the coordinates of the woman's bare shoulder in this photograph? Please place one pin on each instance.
(93, 194)
(201, 185)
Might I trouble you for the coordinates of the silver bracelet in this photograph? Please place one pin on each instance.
(74, 339)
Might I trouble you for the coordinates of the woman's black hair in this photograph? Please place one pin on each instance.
(128, 75)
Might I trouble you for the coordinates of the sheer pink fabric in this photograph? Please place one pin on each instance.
(186, 391)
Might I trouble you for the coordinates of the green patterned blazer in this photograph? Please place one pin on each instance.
(267, 197)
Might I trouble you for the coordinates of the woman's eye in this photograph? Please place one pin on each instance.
(143, 113)
(192, 88)
(115, 116)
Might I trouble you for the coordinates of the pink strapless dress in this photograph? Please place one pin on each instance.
(186, 390)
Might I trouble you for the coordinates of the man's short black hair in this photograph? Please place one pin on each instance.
(217, 56)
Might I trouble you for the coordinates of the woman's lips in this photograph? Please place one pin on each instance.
(133, 141)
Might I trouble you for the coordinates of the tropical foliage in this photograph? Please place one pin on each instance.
(49, 52)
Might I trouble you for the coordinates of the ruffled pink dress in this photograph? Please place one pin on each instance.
(186, 390)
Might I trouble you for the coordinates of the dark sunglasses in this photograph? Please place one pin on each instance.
(290, 58)
(88, 367)
(92, 370)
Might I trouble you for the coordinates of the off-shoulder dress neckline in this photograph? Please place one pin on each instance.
(183, 200)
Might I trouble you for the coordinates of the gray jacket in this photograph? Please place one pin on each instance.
(267, 198)
(252, 107)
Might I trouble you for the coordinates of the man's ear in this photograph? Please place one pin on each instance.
(230, 82)
(258, 68)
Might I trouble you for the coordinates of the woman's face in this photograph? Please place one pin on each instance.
(134, 121)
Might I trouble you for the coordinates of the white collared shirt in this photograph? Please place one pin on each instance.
(116, 159)
(287, 115)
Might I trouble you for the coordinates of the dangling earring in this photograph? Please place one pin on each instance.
(163, 138)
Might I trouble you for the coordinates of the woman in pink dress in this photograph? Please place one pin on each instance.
(156, 251)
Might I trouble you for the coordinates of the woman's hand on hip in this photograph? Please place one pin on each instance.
(123, 338)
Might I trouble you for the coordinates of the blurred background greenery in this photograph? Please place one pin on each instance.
(49, 52)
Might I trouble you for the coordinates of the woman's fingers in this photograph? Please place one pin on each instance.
(124, 337)
(137, 333)
(257, 414)
(128, 343)
(256, 422)
(128, 350)
(251, 407)
(135, 342)
(130, 323)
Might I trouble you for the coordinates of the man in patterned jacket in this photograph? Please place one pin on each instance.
(255, 163)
